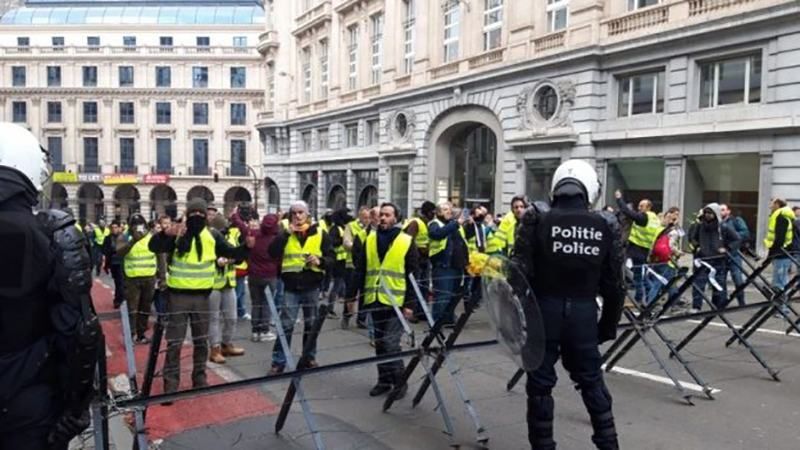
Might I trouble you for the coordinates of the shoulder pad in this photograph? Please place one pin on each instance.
(54, 219)
(541, 206)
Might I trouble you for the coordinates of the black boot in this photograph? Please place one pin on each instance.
(605, 433)
(540, 422)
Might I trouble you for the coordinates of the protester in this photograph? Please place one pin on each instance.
(780, 234)
(417, 228)
(113, 262)
(355, 233)
(665, 253)
(477, 237)
(449, 257)
(140, 267)
(740, 226)
(644, 230)
(712, 243)
(222, 326)
(504, 237)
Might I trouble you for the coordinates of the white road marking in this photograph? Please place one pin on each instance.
(225, 373)
(760, 330)
(659, 379)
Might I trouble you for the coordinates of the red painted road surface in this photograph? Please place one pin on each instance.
(165, 421)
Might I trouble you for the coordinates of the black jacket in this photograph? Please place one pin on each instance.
(638, 218)
(307, 279)
(411, 263)
(781, 225)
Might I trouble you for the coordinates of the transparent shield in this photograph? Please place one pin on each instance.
(46, 194)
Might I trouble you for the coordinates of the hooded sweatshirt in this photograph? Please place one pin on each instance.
(710, 237)
(260, 264)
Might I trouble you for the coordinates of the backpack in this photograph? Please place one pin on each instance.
(661, 252)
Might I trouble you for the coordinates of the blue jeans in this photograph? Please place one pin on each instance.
(654, 286)
(337, 291)
(241, 310)
(288, 310)
(638, 259)
(446, 288)
(718, 298)
(780, 273)
(737, 276)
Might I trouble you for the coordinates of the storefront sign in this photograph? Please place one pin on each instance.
(120, 179)
(90, 178)
(156, 179)
(65, 177)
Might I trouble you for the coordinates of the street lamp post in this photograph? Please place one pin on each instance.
(250, 169)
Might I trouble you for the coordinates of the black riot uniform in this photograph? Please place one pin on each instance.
(49, 332)
(570, 255)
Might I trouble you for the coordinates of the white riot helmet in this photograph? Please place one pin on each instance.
(20, 150)
(577, 175)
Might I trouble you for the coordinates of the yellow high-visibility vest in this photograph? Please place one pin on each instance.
(285, 224)
(237, 233)
(101, 235)
(192, 272)
(502, 241)
(140, 262)
(645, 236)
(294, 255)
(227, 277)
(341, 253)
(386, 280)
(358, 232)
(437, 246)
(787, 213)
(421, 239)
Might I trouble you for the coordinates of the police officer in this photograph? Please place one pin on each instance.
(49, 332)
(569, 256)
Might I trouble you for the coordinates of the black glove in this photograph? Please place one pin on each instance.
(68, 426)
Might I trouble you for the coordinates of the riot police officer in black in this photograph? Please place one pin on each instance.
(49, 332)
(569, 255)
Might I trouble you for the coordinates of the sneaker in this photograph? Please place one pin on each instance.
(332, 314)
(275, 370)
(693, 310)
(247, 317)
(256, 337)
(268, 336)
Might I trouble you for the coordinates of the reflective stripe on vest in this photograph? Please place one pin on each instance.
(227, 278)
(787, 213)
(358, 232)
(503, 239)
(341, 253)
(437, 246)
(645, 236)
(294, 255)
(140, 262)
(386, 278)
(189, 271)
(422, 240)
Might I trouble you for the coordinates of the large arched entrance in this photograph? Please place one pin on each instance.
(90, 203)
(310, 197)
(126, 201)
(273, 196)
(233, 197)
(58, 196)
(368, 197)
(201, 192)
(337, 198)
(163, 201)
(465, 153)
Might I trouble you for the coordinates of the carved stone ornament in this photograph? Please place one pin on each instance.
(546, 104)
(400, 126)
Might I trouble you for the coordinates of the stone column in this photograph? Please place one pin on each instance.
(673, 182)
(765, 193)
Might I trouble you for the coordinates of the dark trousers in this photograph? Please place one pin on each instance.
(258, 302)
(423, 279)
(446, 288)
(28, 418)
(350, 290)
(717, 298)
(570, 327)
(139, 295)
(737, 275)
(388, 331)
(186, 310)
(290, 307)
(119, 283)
(97, 257)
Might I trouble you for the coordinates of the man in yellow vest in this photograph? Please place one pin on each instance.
(503, 239)
(191, 272)
(449, 257)
(355, 233)
(385, 263)
(100, 235)
(475, 234)
(417, 228)
(139, 269)
(644, 230)
(306, 253)
(780, 233)
(338, 273)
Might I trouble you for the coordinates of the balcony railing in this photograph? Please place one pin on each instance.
(445, 70)
(126, 169)
(200, 171)
(141, 50)
(638, 20)
(550, 41)
(490, 57)
(91, 168)
(158, 170)
(697, 7)
(236, 171)
(314, 16)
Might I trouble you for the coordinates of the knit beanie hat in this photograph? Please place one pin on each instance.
(195, 205)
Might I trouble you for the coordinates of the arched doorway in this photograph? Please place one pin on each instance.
(368, 197)
(310, 197)
(273, 196)
(90, 203)
(465, 153)
(233, 197)
(126, 202)
(201, 192)
(163, 201)
(58, 196)
(337, 198)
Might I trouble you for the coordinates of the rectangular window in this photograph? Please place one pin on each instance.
(204, 42)
(373, 134)
(638, 4)
(730, 81)
(90, 154)
(23, 41)
(127, 157)
(93, 41)
(238, 113)
(58, 42)
(408, 36)
(19, 112)
(53, 112)
(323, 139)
(376, 40)
(126, 112)
(165, 41)
(200, 77)
(323, 69)
(89, 76)
(200, 113)
(89, 112)
(18, 76)
(305, 141)
(305, 69)
(125, 76)
(271, 87)
(351, 135)
(129, 41)
(238, 157)
(557, 15)
(164, 156)
(352, 54)
(53, 76)
(240, 41)
(163, 76)
(238, 77)
(452, 18)
(163, 113)
(641, 94)
(200, 156)
(492, 24)
(54, 148)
